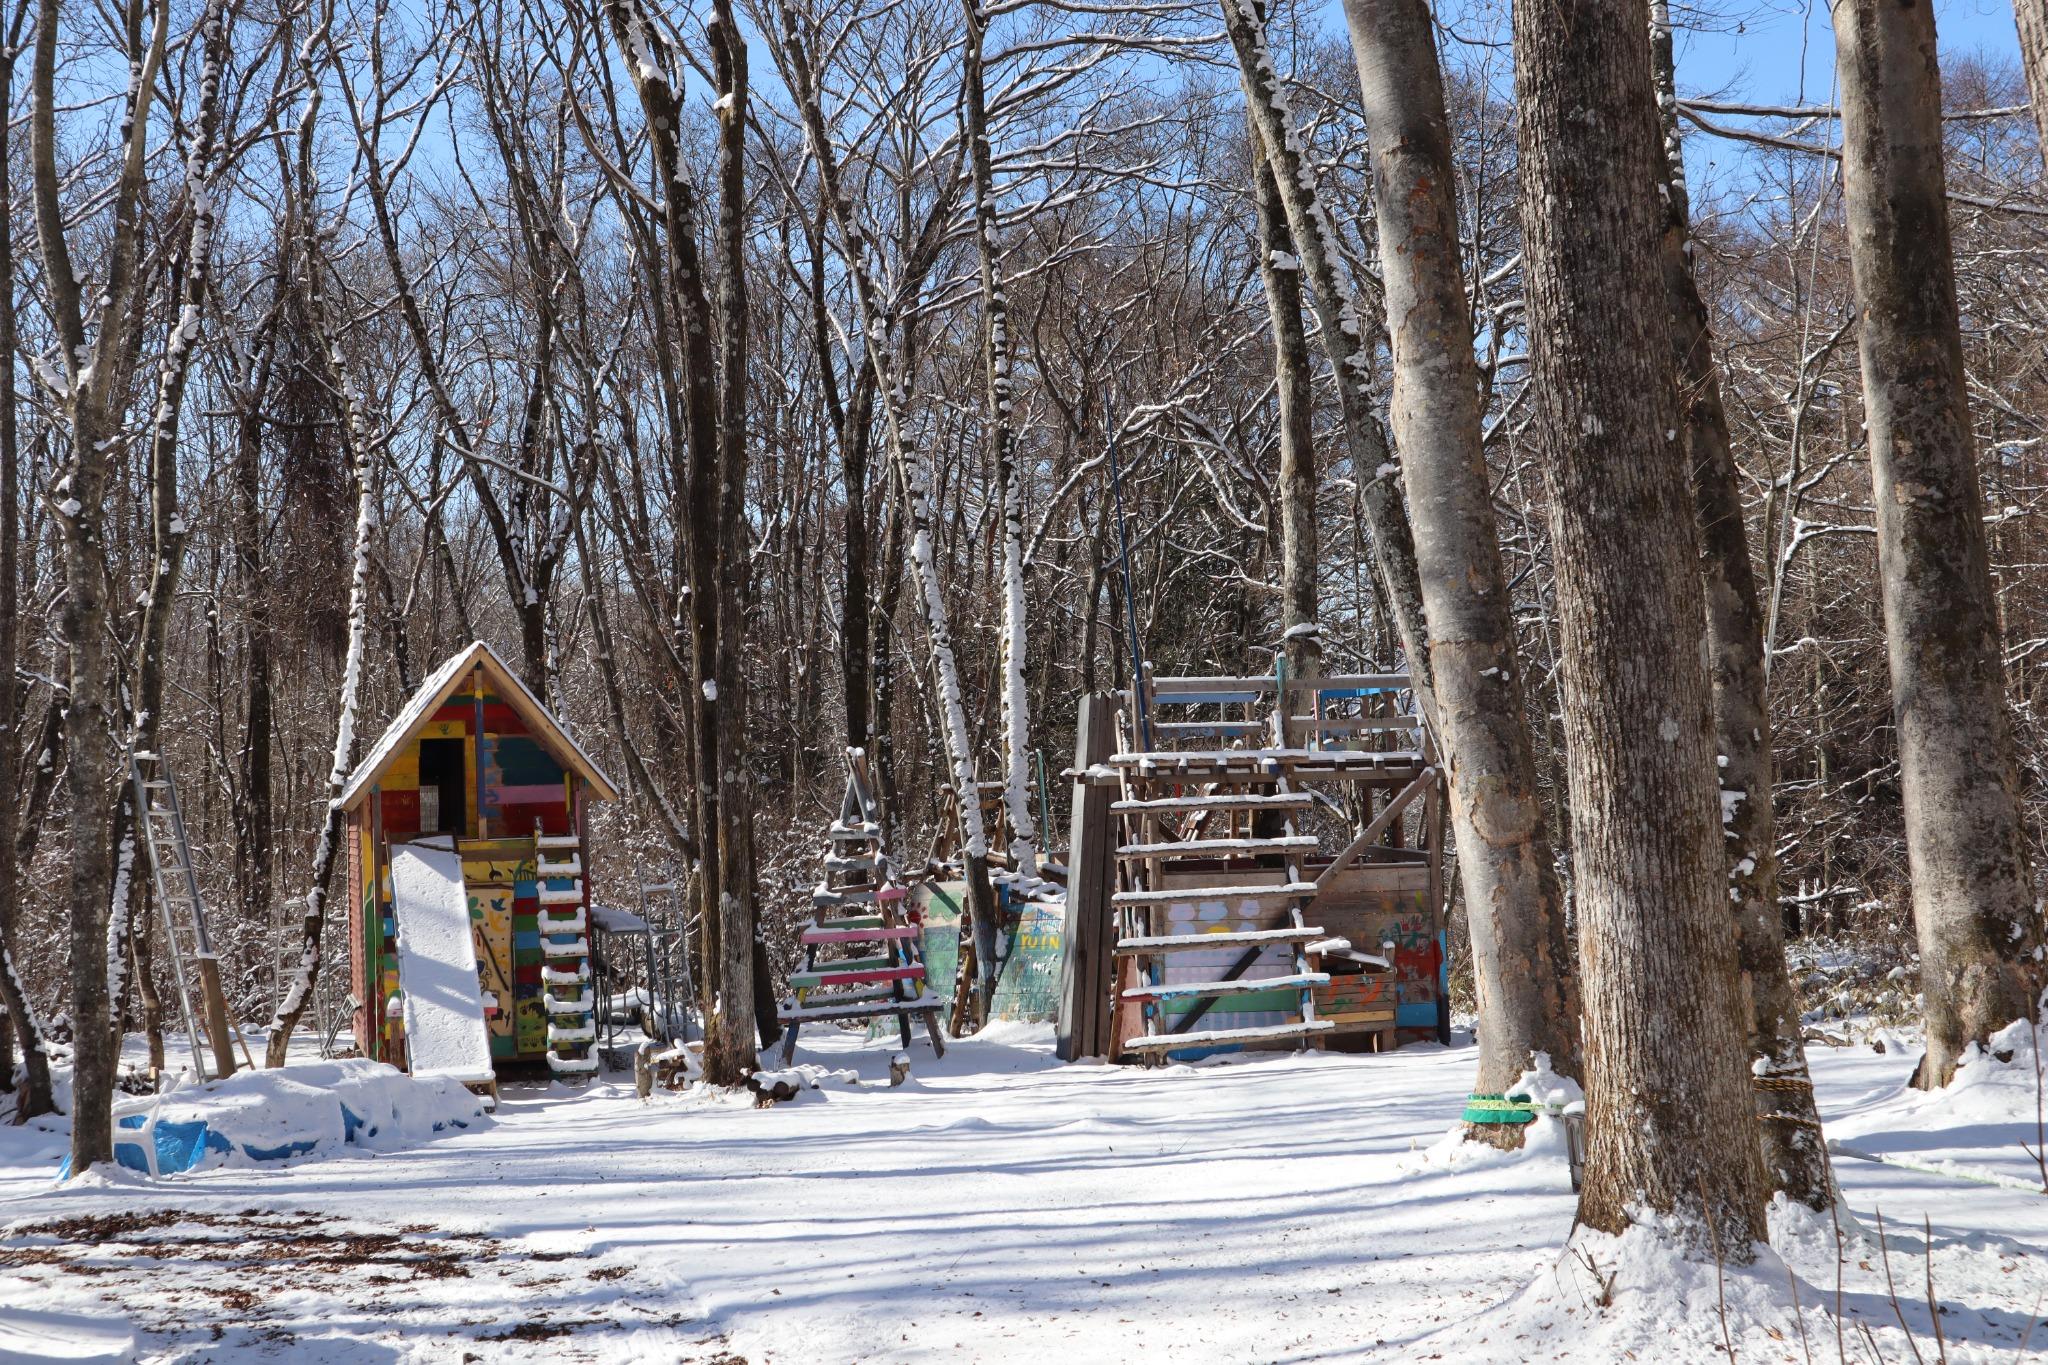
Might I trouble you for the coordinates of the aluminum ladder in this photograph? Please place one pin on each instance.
(177, 895)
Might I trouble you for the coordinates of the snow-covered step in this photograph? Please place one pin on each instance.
(852, 862)
(558, 841)
(1189, 805)
(837, 931)
(578, 947)
(1279, 843)
(857, 1008)
(1219, 729)
(1178, 990)
(555, 976)
(853, 834)
(558, 1036)
(562, 895)
(544, 869)
(560, 1006)
(1265, 895)
(573, 1066)
(825, 896)
(1219, 1037)
(555, 922)
(1180, 943)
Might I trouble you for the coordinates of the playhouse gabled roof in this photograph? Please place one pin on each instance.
(443, 684)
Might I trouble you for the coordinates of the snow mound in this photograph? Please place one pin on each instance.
(304, 1109)
(2001, 1082)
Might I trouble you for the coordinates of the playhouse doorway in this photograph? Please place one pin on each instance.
(444, 787)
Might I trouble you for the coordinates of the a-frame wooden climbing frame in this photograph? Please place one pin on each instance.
(1266, 871)
(863, 953)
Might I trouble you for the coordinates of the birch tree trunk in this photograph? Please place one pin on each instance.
(1373, 465)
(96, 352)
(1671, 1128)
(1979, 929)
(1513, 905)
(1280, 274)
(919, 521)
(1795, 1155)
(33, 1097)
(1002, 436)
(356, 435)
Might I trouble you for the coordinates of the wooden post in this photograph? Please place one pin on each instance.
(215, 1003)
(1083, 1029)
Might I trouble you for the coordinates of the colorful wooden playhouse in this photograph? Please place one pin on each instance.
(476, 795)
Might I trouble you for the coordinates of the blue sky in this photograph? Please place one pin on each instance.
(1781, 51)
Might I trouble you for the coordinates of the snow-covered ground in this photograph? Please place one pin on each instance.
(998, 1207)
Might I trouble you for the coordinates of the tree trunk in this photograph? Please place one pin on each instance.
(2031, 19)
(1002, 437)
(1514, 908)
(254, 863)
(33, 1098)
(1795, 1156)
(1280, 274)
(739, 909)
(361, 450)
(919, 523)
(1372, 463)
(1973, 905)
(1671, 1128)
(96, 369)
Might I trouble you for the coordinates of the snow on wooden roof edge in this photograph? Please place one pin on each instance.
(437, 688)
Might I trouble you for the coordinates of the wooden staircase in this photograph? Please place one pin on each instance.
(862, 953)
(1212, 829)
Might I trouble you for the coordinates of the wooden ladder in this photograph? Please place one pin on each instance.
(862, 954)
(1158, 829)
(183, 908)
(564, 926)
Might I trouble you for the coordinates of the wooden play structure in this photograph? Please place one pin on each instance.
(1255, 862)
(863, 953)
(468, 907)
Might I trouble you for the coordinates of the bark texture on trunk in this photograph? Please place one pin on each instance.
(1795, 1155)
(1514, 907)
(1973, 902)
(1671, 1127)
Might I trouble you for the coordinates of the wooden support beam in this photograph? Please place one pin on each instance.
(1087, 967)
(1370, 835)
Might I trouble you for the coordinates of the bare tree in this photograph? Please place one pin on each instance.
(1514, 908)
(1670, 1125)
(34, 1097)
(1795, 1156)
(96, 360)
(1973, 902)
(715, 351)
(1002, 438)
